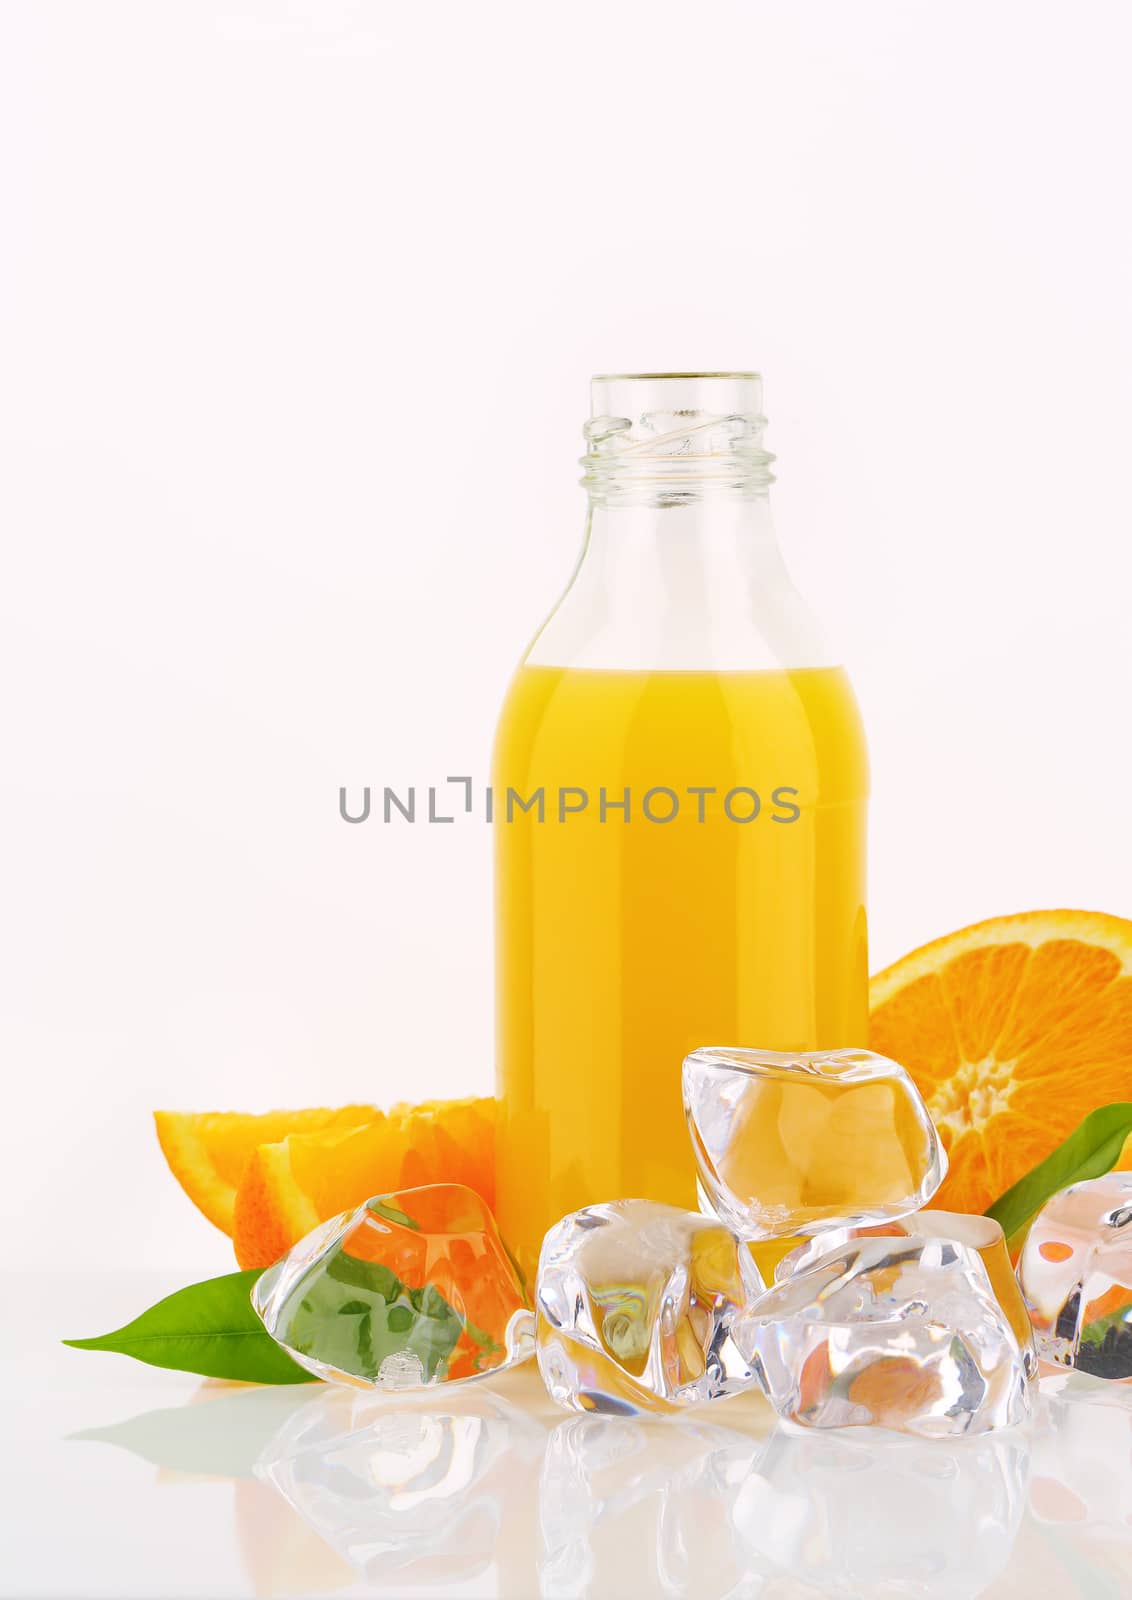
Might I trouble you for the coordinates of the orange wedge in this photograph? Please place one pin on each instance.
(207, 1151)
(292, 1185)
(1014, 1030)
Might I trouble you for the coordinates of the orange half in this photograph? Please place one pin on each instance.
(290, 1186)
(207, 1151)
(1014, 1030)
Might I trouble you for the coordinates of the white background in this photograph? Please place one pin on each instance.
(298, 305)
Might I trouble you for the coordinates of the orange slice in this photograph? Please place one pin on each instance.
(1014, 1030)
(292, 1185)
(207, 1151)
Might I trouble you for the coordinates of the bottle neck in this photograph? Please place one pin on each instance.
(680, 569)
(674, 456)
(676, 470)
(698, 584)
(706, 540)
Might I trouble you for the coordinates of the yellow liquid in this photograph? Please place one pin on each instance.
(623, 945)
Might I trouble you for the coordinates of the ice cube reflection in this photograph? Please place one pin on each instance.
(424, 1489)
(639, 1507)
(1082, 1475)
(882, 1514)
(535, 1501)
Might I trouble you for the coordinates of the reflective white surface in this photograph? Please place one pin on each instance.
(123, 1480)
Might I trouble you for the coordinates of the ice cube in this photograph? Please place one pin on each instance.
(1076, 1276)
(899, 1333)
(412, 1289)
(980, 1233)
(636, 1305)
(792, 1144)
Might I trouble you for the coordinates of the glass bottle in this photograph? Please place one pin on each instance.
(680, 786)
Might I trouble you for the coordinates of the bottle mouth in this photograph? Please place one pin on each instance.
(673, 428)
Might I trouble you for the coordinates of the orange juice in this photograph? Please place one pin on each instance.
(709, 890)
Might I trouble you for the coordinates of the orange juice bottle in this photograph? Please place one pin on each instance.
(680, 787)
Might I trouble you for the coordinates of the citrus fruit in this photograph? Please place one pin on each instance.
(293, 1184)
(1014, 1030)
(207, 1151)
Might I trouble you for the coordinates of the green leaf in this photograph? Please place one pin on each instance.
(372, 1276)
(1097, 1331)
(382, 1208)
(1105, 1346)
(1091, 1150)
(354, 1313)
(208, 1328)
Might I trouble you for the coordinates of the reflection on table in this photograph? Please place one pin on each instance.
(488, 1488)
